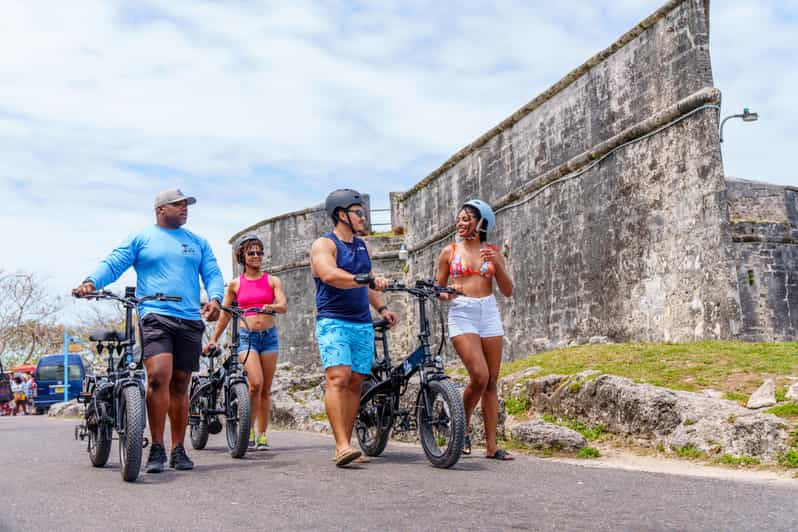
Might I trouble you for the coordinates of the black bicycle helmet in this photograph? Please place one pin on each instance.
(244, 239)
(343, 198)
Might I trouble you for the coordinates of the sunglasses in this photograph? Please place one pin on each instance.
(254, 253)
(358, 212)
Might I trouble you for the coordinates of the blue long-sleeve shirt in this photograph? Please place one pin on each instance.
(169, 261)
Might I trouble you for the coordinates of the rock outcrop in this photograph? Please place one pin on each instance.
(537, 434)
(673, 418)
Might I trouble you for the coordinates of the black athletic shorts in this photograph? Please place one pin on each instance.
(167, 334)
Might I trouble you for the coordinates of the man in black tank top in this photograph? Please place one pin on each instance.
(341, 269)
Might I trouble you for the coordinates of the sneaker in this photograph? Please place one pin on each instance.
(263, 445)
(251, 440)
(157, 459)
(180, 460)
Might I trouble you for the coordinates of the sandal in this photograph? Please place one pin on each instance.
(467, 444)
(346, 456)
(362, 459)
(502, 455)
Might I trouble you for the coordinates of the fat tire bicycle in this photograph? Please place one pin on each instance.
(439, 414)
(227, 382)
(115, 401)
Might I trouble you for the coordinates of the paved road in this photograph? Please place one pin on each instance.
(46, 483)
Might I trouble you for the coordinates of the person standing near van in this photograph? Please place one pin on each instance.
(168, 259)
(341, 269)
(32, 391)
(20, 396)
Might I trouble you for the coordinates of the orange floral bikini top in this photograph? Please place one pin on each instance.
(459, 268)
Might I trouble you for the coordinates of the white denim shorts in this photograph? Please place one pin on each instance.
(475, 315)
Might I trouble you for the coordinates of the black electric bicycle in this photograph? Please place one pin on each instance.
(439, 413)
(115, 401)
(227, 382)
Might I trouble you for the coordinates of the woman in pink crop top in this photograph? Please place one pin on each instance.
(475, 326)
(258, 335)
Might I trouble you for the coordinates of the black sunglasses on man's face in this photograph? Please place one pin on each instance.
(254, 253)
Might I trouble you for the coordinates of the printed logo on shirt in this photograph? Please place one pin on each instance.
(188, 250)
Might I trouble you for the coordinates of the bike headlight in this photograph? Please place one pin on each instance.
(131, 366)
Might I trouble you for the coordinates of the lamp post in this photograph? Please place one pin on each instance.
(746, 115)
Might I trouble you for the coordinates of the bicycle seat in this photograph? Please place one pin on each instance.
(381, 326)
(106, 336)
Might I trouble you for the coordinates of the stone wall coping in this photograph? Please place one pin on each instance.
(757, 182)
(380, 255)
(549, 93)
(681, 109)
(253, 227)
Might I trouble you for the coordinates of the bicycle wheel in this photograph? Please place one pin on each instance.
(442, 429)
(131, 435)
(374, 421)
(198, 431)
(99, 438)
(238, 420)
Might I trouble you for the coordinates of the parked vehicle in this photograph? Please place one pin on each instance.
(49, 377)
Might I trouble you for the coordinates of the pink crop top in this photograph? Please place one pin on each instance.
(254, 293)
(459, 268)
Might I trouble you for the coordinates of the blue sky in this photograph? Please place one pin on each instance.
(259, 108)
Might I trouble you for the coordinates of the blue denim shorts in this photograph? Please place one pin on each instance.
(261, 341)
(346, 343)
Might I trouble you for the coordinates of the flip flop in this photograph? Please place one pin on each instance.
(362, 459)
(346, 456)
(502, 455)
(467, 444)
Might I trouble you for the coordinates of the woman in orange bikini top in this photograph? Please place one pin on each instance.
(474, 321)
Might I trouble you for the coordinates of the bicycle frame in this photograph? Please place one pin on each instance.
(393, 380)
(122, 374)
(229, 372)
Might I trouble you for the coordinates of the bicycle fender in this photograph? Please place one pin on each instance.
(201, 389)
(236, 380)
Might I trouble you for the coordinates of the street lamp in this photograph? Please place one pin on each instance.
(747, 116)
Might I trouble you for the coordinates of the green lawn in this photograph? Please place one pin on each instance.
(731, 367)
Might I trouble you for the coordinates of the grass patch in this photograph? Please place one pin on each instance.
(588, 452)
(319, 417)
(785, 410)
(690, 452)
(790, 458)
(734, 367)
(728, 459)
(516, 407)
(781, 394)
(737, 397)
(590, 432)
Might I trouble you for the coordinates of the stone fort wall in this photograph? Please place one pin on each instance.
(612, 210)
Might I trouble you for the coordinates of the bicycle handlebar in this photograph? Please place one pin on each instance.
(127, 300)
(422, 288)
(238, 312)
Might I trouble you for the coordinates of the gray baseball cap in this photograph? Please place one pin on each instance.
(172, 195)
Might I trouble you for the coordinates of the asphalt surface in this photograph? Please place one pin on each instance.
(47, 483)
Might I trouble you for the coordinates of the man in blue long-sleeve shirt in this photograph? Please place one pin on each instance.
(167, 259)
